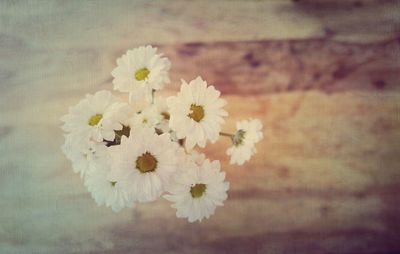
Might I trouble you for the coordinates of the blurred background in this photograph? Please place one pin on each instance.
(322, 75)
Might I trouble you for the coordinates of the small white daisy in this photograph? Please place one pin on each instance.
(248, 133)
(198, 190)
(196, 113)
(148, 117)
(105, 191)
(196, 157)
(145, 161)
(96, 117)
(85, 155)
(140, 71)
(186, 159)
(161, 106)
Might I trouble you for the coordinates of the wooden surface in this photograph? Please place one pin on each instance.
(322, 76)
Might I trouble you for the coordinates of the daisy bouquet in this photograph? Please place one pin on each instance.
(128, 155)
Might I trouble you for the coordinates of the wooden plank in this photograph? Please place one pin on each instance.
(325, 178)
(276, 66)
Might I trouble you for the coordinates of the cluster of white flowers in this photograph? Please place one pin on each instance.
(127, 155)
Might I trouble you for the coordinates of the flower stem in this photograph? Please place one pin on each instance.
(152, 96)
(226, 134)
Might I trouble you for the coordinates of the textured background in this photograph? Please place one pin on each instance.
(322, 75)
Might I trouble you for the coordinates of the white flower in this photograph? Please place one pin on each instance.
(197, 190)
(148, 117)
(145, 162)
(196, 157)
(96, 117)
(196, 113)
(248, 133)
(186, 158)
(105, 191)
(161, 107)
(140, 71)
(85, 155)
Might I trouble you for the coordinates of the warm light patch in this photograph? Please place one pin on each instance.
(146, 163)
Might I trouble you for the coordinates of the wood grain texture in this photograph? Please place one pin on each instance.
(276, 66)
(322, 76)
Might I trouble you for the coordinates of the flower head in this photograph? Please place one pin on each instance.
(140, 71)
(148, 117)
(85, 155)
(248, 133)
(196, 157)
(96, 117)
(196, 113)
(161, 106)
(197, 190)
(144, 163)
(105, 191)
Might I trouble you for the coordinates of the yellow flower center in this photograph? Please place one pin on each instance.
(95, 119)
(146, 163)
(165, 115)
(197, 112)
(198, 190)
(141, 74)
(113, 184)
(238, 138)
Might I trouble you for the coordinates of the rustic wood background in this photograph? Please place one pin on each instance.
(322, 75)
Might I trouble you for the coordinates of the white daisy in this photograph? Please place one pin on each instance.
(198, 190)
(184, 157)
(105, 191)
(196, 113)
(196, 157)
(145, 161)
(140, 71)
(161, 106)
(96, 117)
(85, 155)
(148, 117)
(248, 133)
